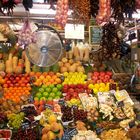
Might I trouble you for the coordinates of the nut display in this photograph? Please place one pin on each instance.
(92, 115)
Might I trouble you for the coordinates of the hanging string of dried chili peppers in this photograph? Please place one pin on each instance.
(81, 10)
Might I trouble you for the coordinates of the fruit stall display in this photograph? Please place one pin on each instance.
(62, 102)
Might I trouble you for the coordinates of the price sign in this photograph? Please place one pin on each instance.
(25, 125)
(71, 132)
(95, 35)
(74, 31)
(49, 106)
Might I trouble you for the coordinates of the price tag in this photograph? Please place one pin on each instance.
(66, 137)
(138, 117)
(61, 102)
(25, 125)
(71, 132)
(120, 104)
(49, 106)
(99, 130)
(131, 124)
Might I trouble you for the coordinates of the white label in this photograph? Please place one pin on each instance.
(74, 31)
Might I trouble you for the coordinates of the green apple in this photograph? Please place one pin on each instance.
(36, 99)
(50, 98)
(44, 87)
(59, 93)
(57, 97)
(52, 95)
(43, 98)
(51, 86)
(45, 94)
(54, 90)
(41, 90)
(48, 89)
(38, 95)
(59, 86)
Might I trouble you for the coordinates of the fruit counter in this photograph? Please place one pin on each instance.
(65, 105)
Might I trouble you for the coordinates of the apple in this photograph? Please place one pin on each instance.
(96, 74)
(71, 90)
(45, 94)
(109, 73)
(44, 86)
(39, 95)
(54, 90)
(50, 98)
(107, 77)
(47, 89)
(43, 99)
(102, 73)
(57, 97)
(99, 81)
(94, 77)
(52, 95)
(59, 86)
(58, 93)
(51, 86)
(41, 90)
(65, 90)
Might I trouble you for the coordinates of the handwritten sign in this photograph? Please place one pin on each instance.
(74, 31)
(95, 35)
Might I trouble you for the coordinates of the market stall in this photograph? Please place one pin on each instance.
(69, 70)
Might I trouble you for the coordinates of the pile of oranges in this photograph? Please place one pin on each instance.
(15, 93)
(46, 78)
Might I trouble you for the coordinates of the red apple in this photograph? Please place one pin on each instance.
(71, 90)
(102, 73)
(94, 78)
(99, 81)
(96, 73)
(107, 77)
(109, 73)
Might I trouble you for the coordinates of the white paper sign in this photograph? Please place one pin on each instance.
(74, 31)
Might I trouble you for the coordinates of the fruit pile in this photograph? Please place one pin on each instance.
(101, 87)
(47, 79)
(101, 77)
(15, 93)
(49, 92)
(15, 120)
(29, 112)
(72, 91)
(74, 78)
(13, 80)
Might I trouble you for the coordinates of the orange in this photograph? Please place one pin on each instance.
(54, 77)
(51, 80)
(32, 73)
(51, 73)
(48, 77)
(58, 80)
(38, 74)
(45, 74)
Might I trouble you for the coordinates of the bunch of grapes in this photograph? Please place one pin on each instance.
(3, 118)
(30, 112)
(79, 114)
(15, 120)
(67, 113)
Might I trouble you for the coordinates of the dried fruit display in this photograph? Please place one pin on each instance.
(81, 10)
(110, 42)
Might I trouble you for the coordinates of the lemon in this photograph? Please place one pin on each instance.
(95, 90)
(66, 74)
(90, 86)
(102, 85)
(96, 86)
(101, 89)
